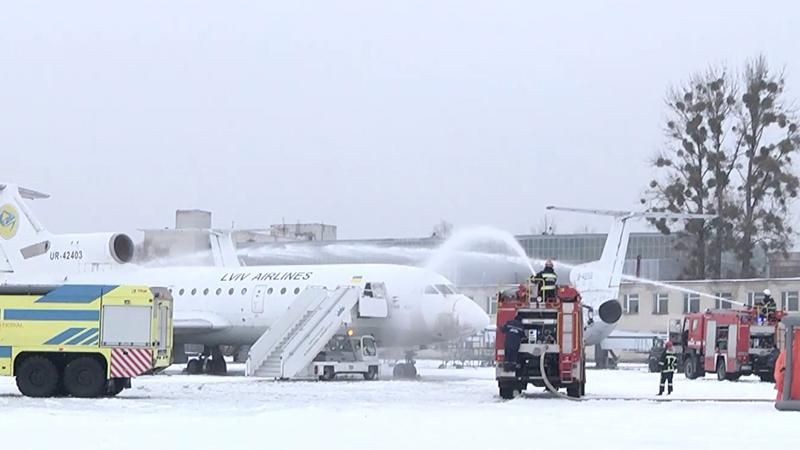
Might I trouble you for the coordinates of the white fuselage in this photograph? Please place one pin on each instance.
(234, 306)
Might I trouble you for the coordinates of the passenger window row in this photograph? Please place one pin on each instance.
(231, 291)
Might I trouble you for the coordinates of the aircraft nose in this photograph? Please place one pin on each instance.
(470, 317)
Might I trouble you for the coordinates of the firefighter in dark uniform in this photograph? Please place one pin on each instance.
(514, 331)
(769, 307)
(667, 364)
(547, 280)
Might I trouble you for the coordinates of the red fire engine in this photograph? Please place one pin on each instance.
(729, 342)
(551, 353)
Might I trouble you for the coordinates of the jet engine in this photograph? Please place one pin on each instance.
(92, 248)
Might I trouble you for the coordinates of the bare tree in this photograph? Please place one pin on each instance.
(769, 135)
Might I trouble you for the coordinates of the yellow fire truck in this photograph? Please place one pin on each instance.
(83, 340)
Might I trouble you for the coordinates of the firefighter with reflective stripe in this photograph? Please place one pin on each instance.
(667, 364)
(514, 331)
(769, 307)
(547, 280)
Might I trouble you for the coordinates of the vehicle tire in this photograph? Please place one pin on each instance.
(574, 390)
(114, 387)
(721, 370)
(508, 391)
(327, 373)
(733, 376)
(84, 377)
(216, 366)
(372, 373)
(194, 367)
(767, 377)
(37, 376)
(690, 368)
(399, 370)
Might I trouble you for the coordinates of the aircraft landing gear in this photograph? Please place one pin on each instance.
(406, 370)
(210, 362)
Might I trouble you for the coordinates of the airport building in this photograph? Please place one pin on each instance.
(647, 306)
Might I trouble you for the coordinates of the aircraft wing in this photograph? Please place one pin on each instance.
(198, 322)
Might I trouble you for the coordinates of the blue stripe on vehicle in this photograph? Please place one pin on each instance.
(93, 341)
(64, 335)
(52, 314)
(81, 337)
(91, 338)
(5, 351)
(76, 293)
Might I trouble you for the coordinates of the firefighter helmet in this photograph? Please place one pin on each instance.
(549, 263)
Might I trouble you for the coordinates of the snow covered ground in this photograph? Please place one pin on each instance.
(447, 408)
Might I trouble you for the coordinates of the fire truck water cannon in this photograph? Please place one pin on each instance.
(546, 349)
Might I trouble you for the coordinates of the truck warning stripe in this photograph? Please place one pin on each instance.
(64, 335)
(5, 351)
(130, 362)
(52, 314)
(81, 337)
(83, 293)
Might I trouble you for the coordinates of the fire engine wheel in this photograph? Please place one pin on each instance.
(114, 389)
(404, 371)
(37, 376)
(767, 377)
(575, 390)
(509, 392)
(84, 377)
(690, 368)
(722, 375)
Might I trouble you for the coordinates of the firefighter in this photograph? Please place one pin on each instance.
(667, 364)
(514, 331)
(547, 280)
(769, 307)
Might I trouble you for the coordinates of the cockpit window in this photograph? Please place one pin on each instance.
(431, 290)
(445, 289)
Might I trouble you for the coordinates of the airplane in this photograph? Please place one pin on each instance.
(233, 306)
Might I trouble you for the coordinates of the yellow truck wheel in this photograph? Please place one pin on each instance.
(85, 377)
(37, 376)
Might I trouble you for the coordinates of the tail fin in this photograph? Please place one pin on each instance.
(600, 279)
(223, 249)
(20, 231)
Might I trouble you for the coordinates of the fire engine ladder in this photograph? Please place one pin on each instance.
(302, 332)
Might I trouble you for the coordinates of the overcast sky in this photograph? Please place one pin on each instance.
(380, 117)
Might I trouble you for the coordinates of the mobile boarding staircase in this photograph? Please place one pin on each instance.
(302, 332)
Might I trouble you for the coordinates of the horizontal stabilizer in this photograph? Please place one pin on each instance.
(632, 214)
(28, 194)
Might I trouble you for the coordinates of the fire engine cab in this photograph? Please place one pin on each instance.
(551, 353)
(729, 342)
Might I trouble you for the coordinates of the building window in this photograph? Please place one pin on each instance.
(632, 304)
(691, 303)
(492, 304)
(661, 304)
(789, 301)
(719, 303)
(754, 297)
